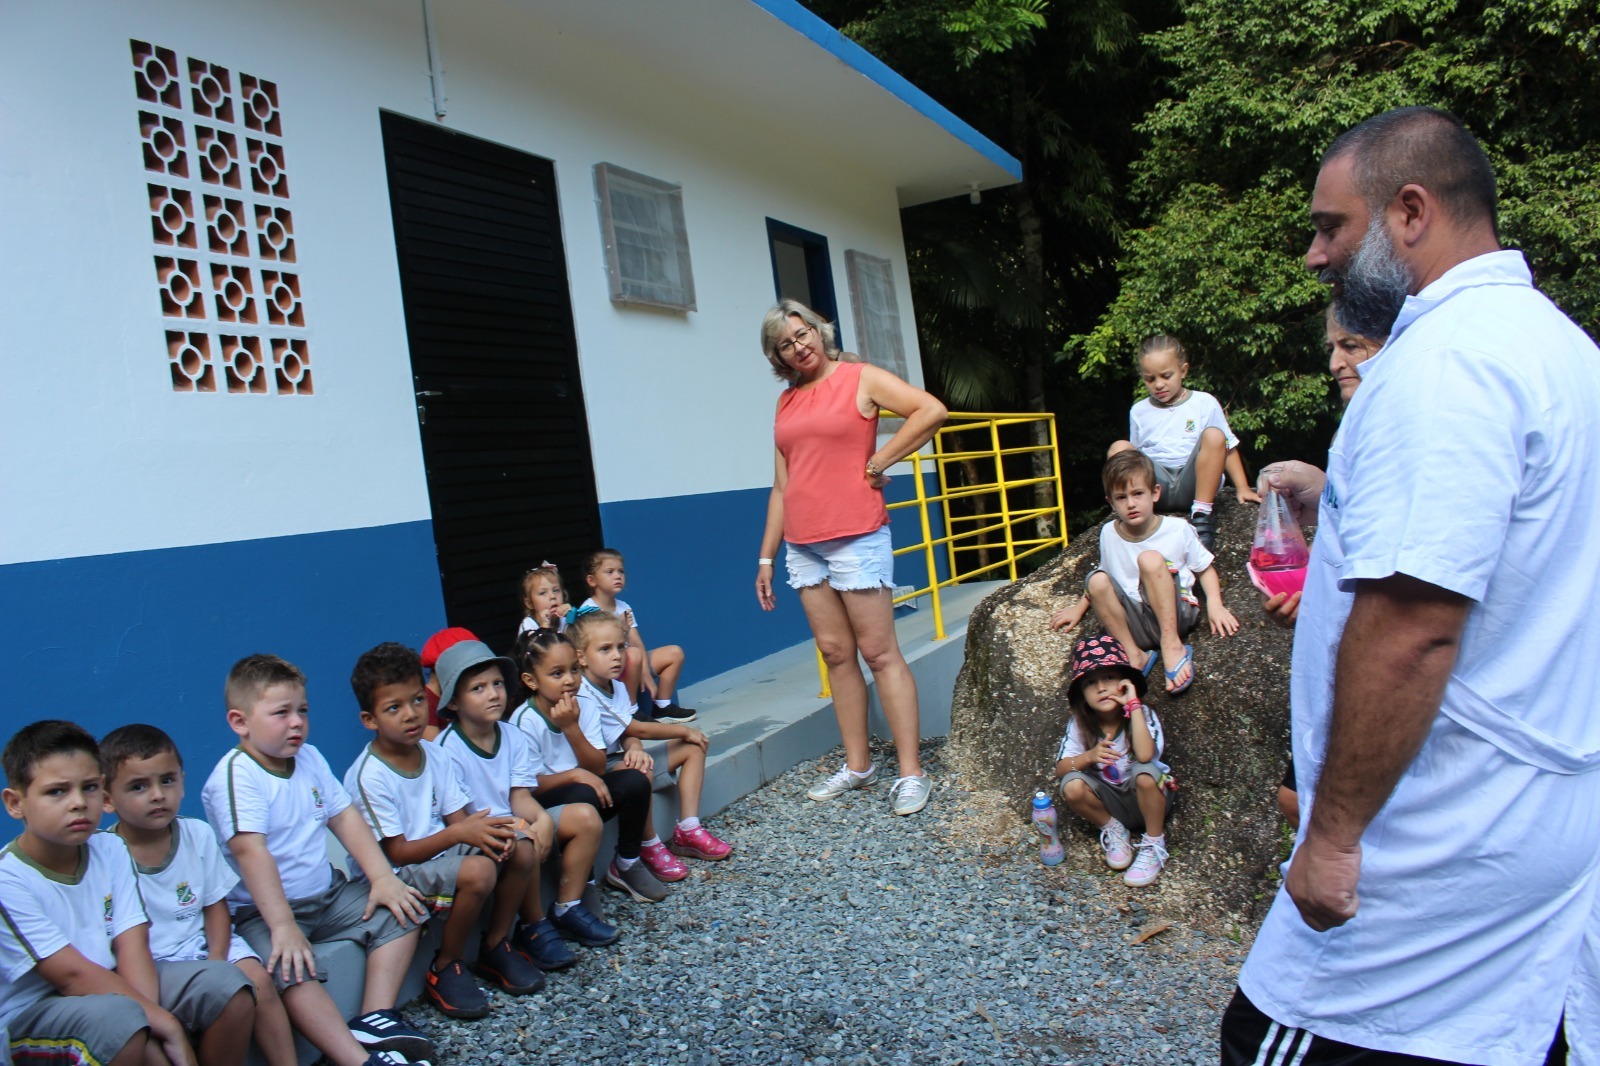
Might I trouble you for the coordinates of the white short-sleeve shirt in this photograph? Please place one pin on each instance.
(554, 750)
(291, 810)
(612, 711)
(1468, 459)
(621, 610)
(1168, 434)
(1073, 743)
(194, 875)
(489, 776)
(42, 912)
(396, 803)
(1174, 538)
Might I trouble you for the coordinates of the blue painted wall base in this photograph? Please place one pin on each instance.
(149, 636)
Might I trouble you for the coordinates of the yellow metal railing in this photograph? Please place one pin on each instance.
(979, 459)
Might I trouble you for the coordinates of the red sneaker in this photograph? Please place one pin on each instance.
(662, 863)
(698, 843)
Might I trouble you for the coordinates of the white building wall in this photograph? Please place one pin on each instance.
(99, 455)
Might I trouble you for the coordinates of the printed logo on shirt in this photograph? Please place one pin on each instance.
(316, 797)
(1188, 425)
(434, 804)
(109, 911)
(186, 895)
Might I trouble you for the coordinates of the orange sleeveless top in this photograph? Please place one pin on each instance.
(826, 444)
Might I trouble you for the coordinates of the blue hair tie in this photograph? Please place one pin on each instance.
(575, 613)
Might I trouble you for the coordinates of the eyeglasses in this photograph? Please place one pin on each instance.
(801, 336)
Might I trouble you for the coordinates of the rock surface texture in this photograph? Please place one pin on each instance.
(1226, 737)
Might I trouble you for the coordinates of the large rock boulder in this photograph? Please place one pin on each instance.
(1226, 738)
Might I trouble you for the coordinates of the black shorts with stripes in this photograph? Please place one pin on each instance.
(1250, 1038)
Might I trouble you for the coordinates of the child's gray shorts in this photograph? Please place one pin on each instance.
(1177, 484)
(73, 1029)
(196, 992)
(436, 878)
(1121, 801)
(331, 915)
(1142, 621)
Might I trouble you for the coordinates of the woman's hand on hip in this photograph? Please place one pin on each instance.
(764, 587)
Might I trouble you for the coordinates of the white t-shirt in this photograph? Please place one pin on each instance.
(400, 804)
(1168, 434)
(489, 776)
(194, 875)
(1174, 538)
(621, 610)
(614, 712)
(1479, 874)
(1072, 743)
(528, 625)
(42, 912)
(555, 753)
(291, 810)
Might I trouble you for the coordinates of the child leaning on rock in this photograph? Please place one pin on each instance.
(1110, 763)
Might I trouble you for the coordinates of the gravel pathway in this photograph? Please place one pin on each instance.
(839, 934)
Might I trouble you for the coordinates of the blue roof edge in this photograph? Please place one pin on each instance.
(794, 15)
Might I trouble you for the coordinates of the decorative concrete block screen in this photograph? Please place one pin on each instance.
(222, 228)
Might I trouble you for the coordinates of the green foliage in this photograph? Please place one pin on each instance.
(1257, 90)
(990, 27)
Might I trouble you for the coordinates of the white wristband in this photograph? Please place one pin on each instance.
(763, 562)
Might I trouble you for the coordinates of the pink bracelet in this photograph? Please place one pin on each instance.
(1132, 705)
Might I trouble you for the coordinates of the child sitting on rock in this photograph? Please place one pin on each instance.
(1110, 759)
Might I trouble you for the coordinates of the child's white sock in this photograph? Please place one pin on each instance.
(625, 864)
(562, 908)
(1199, 508)
(663, 703)
(652, 842)
(689, 825)
(864, 773)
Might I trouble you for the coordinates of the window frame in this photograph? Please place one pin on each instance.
(608, 177)
(856, 262)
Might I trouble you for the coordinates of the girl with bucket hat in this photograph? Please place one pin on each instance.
(1110, 763)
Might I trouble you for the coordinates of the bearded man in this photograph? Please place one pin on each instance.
(1449, 852)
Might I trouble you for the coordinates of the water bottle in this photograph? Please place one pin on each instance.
(1044, 820)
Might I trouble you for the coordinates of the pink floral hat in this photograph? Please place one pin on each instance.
(1095, 653)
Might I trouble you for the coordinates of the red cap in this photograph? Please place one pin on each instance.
(442, 640)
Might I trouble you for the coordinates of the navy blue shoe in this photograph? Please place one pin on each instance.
(541, 943)
(578, 924)
(509, 969)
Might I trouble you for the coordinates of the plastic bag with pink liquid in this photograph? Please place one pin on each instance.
(1279, 555)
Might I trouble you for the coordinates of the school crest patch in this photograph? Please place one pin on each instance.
(185, 894)
(109, 911)
(316, 797)
(1188, 425)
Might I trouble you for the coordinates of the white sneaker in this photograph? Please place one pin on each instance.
(841, 782)
(910, 794)
(1119, 849)
(1152, 857)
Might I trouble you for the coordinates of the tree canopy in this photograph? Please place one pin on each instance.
(1169, 148)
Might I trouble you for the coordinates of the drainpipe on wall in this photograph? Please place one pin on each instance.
(435, 63)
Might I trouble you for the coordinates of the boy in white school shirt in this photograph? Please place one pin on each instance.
(79, 982)
(269, 801)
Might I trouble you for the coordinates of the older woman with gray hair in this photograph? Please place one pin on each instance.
(827, 508)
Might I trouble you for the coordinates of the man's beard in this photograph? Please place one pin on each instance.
(1373, 287)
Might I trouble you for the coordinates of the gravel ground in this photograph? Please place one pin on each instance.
(838, 934)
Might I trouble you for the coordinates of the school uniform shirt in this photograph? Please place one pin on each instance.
(1174, 538)
(621, 610)
(488, 777)
(528, 625)
(291, 810)
(1073, 744)
(398, 803)
(1467, 459)
(1168, 434)
(42, 912)
(613, 711)
(194, 875)
(554, 752)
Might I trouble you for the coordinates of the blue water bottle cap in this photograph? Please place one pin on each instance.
(1041, 800)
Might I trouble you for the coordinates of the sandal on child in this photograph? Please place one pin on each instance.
(1172, 675)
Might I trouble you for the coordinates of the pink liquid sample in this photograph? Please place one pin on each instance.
(1283, 571)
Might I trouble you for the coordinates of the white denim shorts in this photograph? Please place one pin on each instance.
(864, 561)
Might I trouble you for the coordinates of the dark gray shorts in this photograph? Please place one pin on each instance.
(1120, 801)
(196, 992)
(436, 878)
(1142, 621)
(73, 1030)
(1177, 484)
(332, 915)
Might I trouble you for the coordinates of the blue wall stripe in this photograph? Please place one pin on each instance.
(149, 636)
(795, 16)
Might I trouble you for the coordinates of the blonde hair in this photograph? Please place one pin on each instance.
(580, 630)
(539, 573)
(772, 327)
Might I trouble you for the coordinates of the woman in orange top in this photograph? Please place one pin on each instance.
(827, 507)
